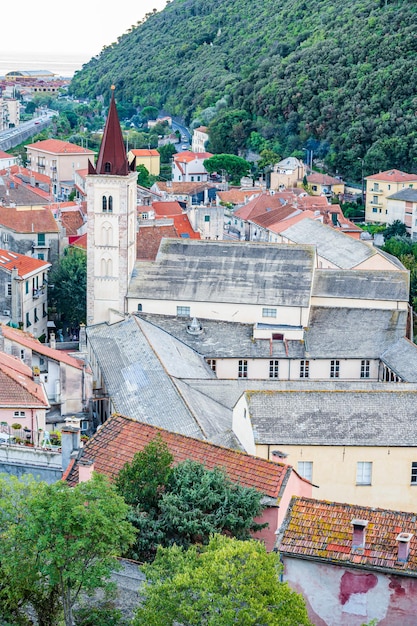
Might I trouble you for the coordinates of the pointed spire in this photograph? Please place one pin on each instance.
(112, 157)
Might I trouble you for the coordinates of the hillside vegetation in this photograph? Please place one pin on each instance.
(329, 75)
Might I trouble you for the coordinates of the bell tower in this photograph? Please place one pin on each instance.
(111, 224)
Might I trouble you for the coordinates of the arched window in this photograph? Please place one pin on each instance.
(106, 234)
(107, 168)
(110, 204)
(106, 266)
(104, 204)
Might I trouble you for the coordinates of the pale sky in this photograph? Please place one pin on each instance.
(74, 27)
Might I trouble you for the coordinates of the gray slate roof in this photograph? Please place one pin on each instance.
(353, 333)
(221, 339)
(401, 358)
(340, 249)
(364, 284)
(136, 381)
(408, 194)
(225, 271)
(335, 418)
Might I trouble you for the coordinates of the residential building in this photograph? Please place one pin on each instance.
(402, 206)
(287, 173)
(185, 193)
(207, 220)
(325, 185)
(23, 400)
(354, 441)
(9, 113)
(199, 139)
(18, 187)
(59, 160)
(150, 158)
(30, 230)
(23, 292)
(188, 167)
(6, 160)
(67, 380)
(379, 187)
(116, 443)
(352, 564)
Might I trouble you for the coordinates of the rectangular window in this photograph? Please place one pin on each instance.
(269, 312)
(305, 469)
(44, 311)
(207, 218)
(365, 369)
(304, 369)
(374, 199)
(27, 286)
(212, 364)
(35, 315)
(414, 473)
(374, 210)
(243, 369)
(274, 369)
(28, 321)
(183, 311)
(8, 289)
(41, 239)
(334, 369)
(19, 414)
(376, 187)
(22, 354)
(364, 473)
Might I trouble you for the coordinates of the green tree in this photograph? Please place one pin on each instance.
(234, 166)
(268, 157)
(149, 113)
(69, 282)
(229, 131)
(166, 152)
(144, 178)
(224, 583)
(183, 504)
(67, 538)
(396, 229)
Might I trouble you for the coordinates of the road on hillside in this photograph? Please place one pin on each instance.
(185, 136)
(12, 137)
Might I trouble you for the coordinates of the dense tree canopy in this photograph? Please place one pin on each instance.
(233, 166)
(290, 74)
(227, 582)
(183, 504)
(69, 280)
(57, 542)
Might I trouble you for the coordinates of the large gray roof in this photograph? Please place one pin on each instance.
(220, 339)
(340, 249)
(364, 284)
(406, 194)
(335, 418)
(136, 381)
(353, 333)
(401, 358)
(229, 272)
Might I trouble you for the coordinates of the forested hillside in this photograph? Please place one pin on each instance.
(329, 75)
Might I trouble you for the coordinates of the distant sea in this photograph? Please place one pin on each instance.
(63, 65)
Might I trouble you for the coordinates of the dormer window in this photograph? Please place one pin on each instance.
(107, 168)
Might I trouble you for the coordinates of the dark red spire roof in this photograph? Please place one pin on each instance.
(112, 157)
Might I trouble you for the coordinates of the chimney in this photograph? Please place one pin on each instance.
(52, 341)
(70, 443)
(403, 540)
(85, 470)
(359, 533)
(82, 345)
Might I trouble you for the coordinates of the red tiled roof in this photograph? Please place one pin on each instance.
(311, 202)
(79, 242)
(72, 221)
(183, 227)
(188, 156)
(19, 170)
(263, 203)
(145, 152)
(25, 265)
(238, 196)
(5, 155)
(56, 146)
(323, 179)
(28, 340)
(165, 209)
(17, 387)
(265, 220)
(394, 176)
(284, 224)
(120, 438)
(323, 531)
(28, 220)
(149, 238)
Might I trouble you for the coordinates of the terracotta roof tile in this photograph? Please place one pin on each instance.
(28, 340)
(56, 146)
(79, 242)
(145, 152)
(17, 387)
(238, 196)
(164, 209)
(323, 179)
(28, 220)
(323, 530)
(188, 156)
(394, 176)
(149, 239)
(120, 438)
(25, 265)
